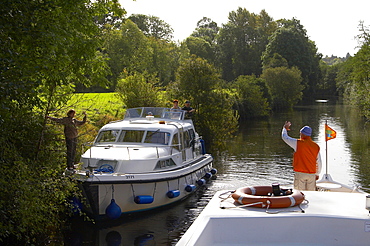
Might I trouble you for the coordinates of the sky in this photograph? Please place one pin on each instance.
(332, 25)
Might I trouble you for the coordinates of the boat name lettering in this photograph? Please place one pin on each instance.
(130, 176)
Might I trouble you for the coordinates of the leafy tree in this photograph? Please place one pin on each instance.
(47, 47)
(251, 101)
(200, 47)
(355, 77)
(241, 42)
(327, 85)
(153, 26)
(206, 29)
(292, 43)
(138, 90)
(284, 85)
(128, 49)
(166, 59)
(276, 61)
(199, 81)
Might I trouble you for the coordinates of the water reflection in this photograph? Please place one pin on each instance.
(256, 156)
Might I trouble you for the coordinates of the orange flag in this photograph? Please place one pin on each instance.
(329, 133)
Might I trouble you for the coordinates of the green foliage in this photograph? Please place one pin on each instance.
(96, 105)
(206, 29)
(34, 191)
(292, 43)
(284, 85)
(152, 26)
(131, 50)
(241, 41)
(138, 90)
(199, 82)
(354, 77)
(47, 47)
(128, 49)
(327, 85)
(200, 47)
(251, 101)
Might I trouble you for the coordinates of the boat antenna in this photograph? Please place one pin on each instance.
(326, 148)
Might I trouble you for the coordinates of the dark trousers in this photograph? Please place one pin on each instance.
(71, 151)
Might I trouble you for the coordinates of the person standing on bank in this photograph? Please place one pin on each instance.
(70, 133)
(306, 159)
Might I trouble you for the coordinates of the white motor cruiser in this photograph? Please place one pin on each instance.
(151, 158)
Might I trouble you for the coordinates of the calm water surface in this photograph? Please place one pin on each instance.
(256, 156)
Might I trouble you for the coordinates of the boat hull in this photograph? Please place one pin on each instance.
(143, 191)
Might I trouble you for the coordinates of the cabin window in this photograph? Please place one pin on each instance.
(107, 136)
(175, 141)
(187, 139)
(157, 137)
(131, 136)
(165, 163)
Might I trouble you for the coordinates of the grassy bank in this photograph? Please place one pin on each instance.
(97, 105)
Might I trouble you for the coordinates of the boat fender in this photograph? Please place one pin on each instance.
(173, 193)
(208, 175)
(190, 188)
(143, 199)
(203, 144)
(213, 171)
(201, 182)
(113, 211)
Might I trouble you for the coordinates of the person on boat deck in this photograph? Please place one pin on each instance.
(306, 159)
(176, 105)
(70, 133)
(189, 110)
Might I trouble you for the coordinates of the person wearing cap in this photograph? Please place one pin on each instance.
(189, 110)
(175, 105)
(70, 133)
(306, 159)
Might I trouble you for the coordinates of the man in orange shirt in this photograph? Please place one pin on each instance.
(306, 160)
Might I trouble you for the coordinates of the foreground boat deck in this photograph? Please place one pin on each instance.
(329, 218)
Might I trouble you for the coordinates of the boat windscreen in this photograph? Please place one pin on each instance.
(107, 136)
(131, 136)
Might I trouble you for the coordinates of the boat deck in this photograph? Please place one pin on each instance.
(327, 218)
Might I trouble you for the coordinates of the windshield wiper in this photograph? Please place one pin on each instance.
(148, 136)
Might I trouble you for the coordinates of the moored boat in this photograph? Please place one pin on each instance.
(335, 214)
(151, 158)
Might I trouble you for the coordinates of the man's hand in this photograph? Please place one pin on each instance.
(287, 125)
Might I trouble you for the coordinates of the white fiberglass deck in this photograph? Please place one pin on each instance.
(330, 218)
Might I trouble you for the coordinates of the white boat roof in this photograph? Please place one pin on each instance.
(329, 218)
(151, 118)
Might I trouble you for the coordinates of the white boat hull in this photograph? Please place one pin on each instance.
(99, 189)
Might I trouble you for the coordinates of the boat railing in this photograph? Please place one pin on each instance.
(157, 112)
(133, 147)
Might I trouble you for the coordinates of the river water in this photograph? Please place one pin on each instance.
(256, 156)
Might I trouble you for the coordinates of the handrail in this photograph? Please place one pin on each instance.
(129, 149)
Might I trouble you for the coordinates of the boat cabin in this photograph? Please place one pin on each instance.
(159, 138)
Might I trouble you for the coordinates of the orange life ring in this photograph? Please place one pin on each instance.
(258, 196)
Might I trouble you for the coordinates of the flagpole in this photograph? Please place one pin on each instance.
(326, 148)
